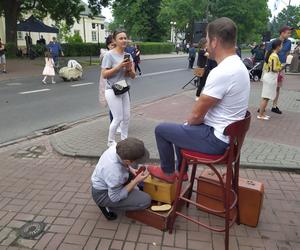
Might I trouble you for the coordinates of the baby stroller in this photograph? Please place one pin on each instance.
(72, 72)
(254, 68)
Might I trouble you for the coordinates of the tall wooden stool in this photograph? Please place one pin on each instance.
(231, 158)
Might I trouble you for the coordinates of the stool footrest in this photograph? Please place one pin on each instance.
(216, 229)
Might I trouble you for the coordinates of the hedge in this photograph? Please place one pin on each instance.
(87, 49)
(148, 48)
(81, 49)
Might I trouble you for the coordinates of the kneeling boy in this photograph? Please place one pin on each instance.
(112, 186)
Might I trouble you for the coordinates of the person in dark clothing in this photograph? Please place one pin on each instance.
(204, 62)
(137, 59)
(259, 53)
(28, 41)
(238, 51)
(192, 56)
(42, 40)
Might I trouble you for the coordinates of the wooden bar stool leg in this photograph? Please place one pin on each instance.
(192, 180)
(236, 188)
(177, 196)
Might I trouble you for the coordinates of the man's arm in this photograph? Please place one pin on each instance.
(200, 109)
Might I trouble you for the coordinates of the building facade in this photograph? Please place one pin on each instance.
(91, 30)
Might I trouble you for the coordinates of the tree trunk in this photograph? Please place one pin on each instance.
(11, 8)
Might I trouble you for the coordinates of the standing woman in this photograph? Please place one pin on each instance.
(272, 68)
(118, 69)
(137, 59)
(102, 82)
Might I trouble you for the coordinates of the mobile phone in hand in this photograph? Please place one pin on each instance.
(126, 57)
(140, 170)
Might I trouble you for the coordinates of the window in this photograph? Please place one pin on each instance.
(93, 25)
(94, 36)
(102, 26)
(20, 35)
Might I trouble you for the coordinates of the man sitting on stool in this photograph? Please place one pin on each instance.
(224, 100)
(112, 186)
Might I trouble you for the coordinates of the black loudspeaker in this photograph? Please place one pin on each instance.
(199, 31)
(266, 37)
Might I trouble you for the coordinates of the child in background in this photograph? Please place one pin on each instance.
(272, 68)
(49, 68)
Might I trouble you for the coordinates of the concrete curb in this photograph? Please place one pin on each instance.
(55, 145)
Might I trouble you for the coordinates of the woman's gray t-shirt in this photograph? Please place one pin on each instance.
(112, 59)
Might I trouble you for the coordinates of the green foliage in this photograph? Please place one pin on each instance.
(76, 38)
(10, 50)
(184, 13)
(81, 49)
(290, 16)
(38, 49)
(58, 10)
(138, 18)
(148, 48)
(251, 16)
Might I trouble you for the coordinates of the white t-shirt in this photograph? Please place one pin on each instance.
(230, 83)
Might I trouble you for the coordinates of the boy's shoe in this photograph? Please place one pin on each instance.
(53, 82)
(159, 174)
(43, 81)
(276, 110)
(108, 214)
(4, 71)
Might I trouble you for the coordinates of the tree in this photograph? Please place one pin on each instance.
(138, 18)
(288, 16)
(184, 13)
(59, 10)
(251, 16)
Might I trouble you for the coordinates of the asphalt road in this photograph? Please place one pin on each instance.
(27, 105)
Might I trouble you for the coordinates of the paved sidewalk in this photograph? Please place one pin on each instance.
(271, 144)
(39, 185)
(23, 68)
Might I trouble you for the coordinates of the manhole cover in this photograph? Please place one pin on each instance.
(32, 229)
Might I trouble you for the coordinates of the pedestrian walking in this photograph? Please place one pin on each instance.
(177, 48)
(285, 34)
(2, 56)
(115, 179)
(49, 68)
(55, 50)
(137, 59)
(192, 56)
(272, 68)
(118, 69)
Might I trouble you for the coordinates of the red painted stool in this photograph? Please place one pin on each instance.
(231, 158)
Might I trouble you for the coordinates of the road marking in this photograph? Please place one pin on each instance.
(34, 91)
(82, 84)
(162, 72)
(14, 84)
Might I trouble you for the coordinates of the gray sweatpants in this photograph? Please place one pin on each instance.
(136, 200)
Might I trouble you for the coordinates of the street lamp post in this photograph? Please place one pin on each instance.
(173, 32)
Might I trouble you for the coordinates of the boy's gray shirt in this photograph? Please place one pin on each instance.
(110, 174)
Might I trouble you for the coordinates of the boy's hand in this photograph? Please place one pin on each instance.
(142, 176)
